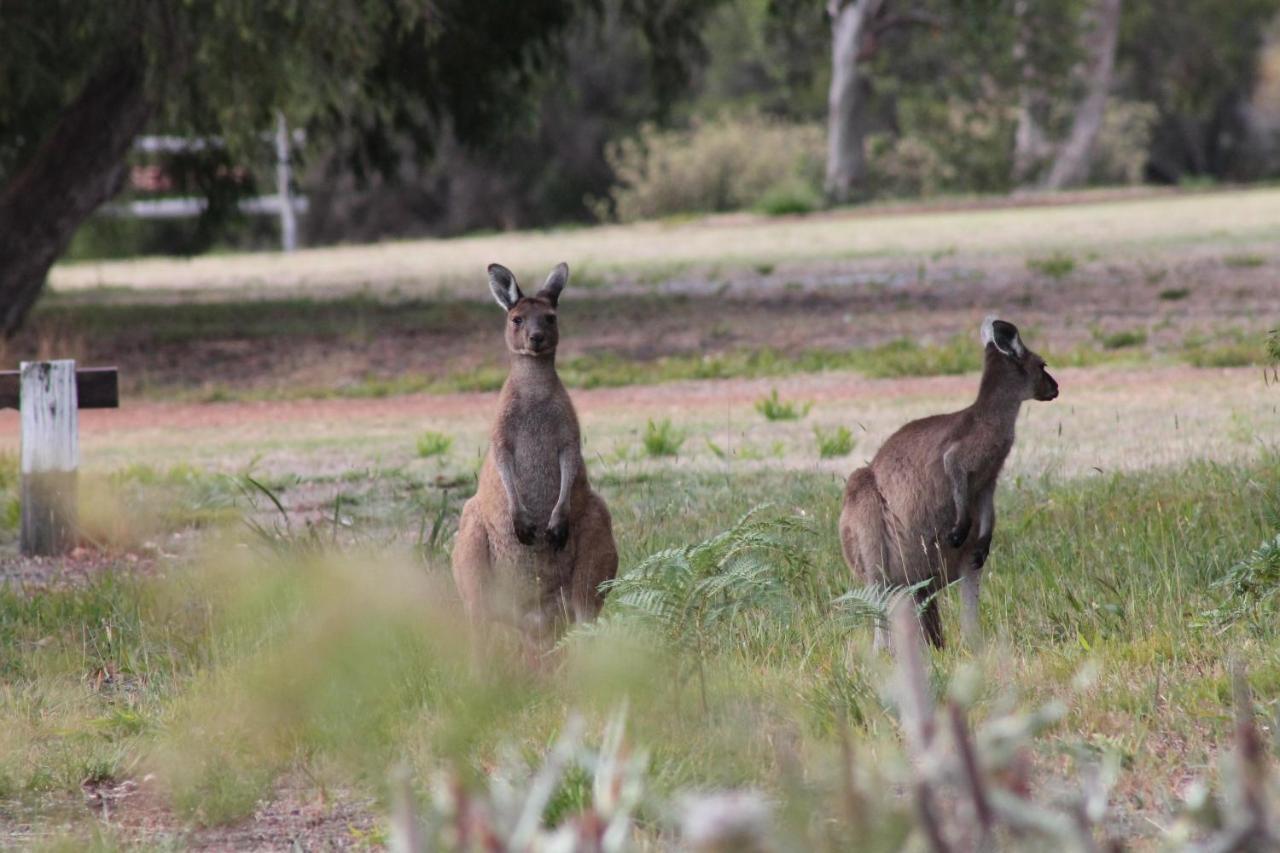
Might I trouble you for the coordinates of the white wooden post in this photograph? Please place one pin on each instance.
(288, 221)
(50, 456)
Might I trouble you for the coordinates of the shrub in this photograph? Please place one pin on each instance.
(662, 438)
(433, 444)
(790, 197)
(727, 163)
(833, 443)
(774, 409)
(1124, 143)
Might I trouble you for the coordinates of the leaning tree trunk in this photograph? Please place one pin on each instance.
(78, 166)
(847, 101)
(1030, 144)
(1076, 154)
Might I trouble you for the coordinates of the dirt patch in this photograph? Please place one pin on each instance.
(294, 818)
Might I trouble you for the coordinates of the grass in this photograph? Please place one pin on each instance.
(253, 664)
(774, 409)
(432, 443)
(1226, 350)
(1056, 266)
(1244, 261)
(833, 443)
(899, 358)
(1123, 339)
(662, 438)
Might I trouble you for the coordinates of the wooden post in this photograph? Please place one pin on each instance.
(288, 221)
(50, 456)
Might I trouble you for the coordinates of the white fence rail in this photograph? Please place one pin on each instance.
(284, 204)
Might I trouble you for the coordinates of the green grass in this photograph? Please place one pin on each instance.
(334, 664)
(432, 443)
(774, 409)
(1123, 339)
(1175, 294)
(1226, 350)
(1056, 266)
(662, 438)
(1247, 261)
(834, 442)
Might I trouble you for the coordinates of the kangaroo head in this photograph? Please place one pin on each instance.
(531, 320)
(1018, 368)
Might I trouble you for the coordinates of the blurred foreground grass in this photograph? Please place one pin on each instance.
(285, 649)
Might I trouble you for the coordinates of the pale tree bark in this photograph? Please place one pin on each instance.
(1031, 147)
(1071, 166)
(848, 121)
(79, 165)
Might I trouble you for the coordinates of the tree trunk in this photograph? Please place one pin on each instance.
(1071, 166)
(79, 165)
(847, 101)
(1030, 144)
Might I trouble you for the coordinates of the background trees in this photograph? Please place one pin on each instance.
(455, 115)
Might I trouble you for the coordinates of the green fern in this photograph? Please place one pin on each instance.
(748, 568)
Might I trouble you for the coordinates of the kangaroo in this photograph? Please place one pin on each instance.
(535, 541)
(908, 516)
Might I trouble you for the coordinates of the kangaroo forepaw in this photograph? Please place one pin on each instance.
(558, 534)
(526, 531)
(959, 533)
(980, 553)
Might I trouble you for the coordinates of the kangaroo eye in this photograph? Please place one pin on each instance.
(551, 319)
(518, 321)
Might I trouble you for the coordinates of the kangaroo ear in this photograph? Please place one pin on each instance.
(503, 284)
(1004, 336)
(555, 283)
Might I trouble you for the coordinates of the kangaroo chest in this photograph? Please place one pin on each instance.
(536, 438)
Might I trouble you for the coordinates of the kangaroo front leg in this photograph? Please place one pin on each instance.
(986, 525)
(971, 574)
(959, 479)
(558, 525)
(521, 520)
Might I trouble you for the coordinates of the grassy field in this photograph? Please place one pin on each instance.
(262, 637)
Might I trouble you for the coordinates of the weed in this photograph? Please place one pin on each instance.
(1244, 261)
(433, 443)
(662, 438)
(1056, 266)
(1123, 339)
(1175, 294)
(774, 409)
(834, 443)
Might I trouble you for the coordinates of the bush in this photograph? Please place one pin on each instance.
(789, 198)
(833, 443)
(728, 163)
(1123, 146)
(662, 439)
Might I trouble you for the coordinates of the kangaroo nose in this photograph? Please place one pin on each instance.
(537, 339)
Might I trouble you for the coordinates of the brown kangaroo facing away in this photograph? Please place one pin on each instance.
(535, 541)
(908, 517)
